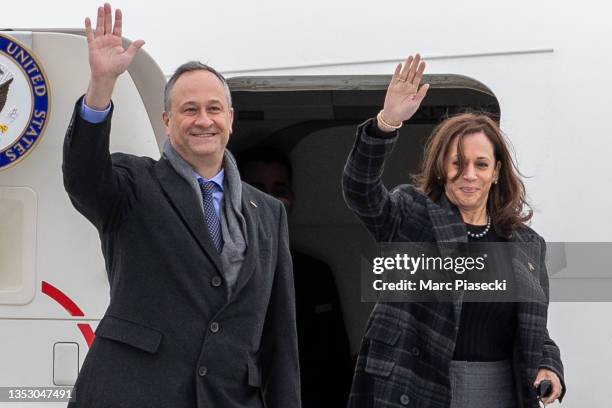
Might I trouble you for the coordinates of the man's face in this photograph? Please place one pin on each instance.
(271, 178)
(200, 121)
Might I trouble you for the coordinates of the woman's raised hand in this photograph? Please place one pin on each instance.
(404, 96)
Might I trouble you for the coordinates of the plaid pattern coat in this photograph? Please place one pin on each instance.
(407, 348)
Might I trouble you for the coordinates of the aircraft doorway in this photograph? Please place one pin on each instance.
(312, 122)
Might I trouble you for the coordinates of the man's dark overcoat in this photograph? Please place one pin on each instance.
(172, 336)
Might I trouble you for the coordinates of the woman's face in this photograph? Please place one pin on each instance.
(470, 191)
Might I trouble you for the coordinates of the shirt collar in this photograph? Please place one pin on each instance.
(217, 179)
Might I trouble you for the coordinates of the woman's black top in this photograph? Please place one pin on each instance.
(487, 329)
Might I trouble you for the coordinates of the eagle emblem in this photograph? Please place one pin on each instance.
(24, 101)
(6, 78)
(4, 88)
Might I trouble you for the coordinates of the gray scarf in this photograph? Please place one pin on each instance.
(233, 224)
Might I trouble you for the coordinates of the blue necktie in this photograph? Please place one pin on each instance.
(210, 216)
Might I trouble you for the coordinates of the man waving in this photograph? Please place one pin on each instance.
(201, 309)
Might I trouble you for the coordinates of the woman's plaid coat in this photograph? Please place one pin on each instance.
(407, 348)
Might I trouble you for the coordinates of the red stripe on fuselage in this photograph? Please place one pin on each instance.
(61, 298)
(87, 332)
(72, 308)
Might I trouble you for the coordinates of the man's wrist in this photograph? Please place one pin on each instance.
(99, 93)
(93, 116)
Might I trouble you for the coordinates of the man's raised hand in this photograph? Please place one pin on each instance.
(107, 57)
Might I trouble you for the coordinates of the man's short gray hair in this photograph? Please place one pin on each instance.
(188, 67)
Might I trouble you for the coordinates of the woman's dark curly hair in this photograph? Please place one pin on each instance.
(506, 204)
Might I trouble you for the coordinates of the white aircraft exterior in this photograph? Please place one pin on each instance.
(545, 62)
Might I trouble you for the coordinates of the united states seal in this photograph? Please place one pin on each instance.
(24, 101)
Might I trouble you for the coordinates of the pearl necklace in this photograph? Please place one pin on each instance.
(483, 233)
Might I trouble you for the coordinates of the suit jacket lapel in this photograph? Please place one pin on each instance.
(251, 217)
(181, 196)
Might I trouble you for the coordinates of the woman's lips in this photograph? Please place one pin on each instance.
(469, 190)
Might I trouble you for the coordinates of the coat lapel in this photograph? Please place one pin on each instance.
(251, 217)
(525, 255)
(450, 236)
(446, 222)
(532, 304)
(182, 198)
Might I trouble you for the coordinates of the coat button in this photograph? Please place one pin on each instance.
(214, 327)
(415, 351)
(216, 281)
(404, 399)
(202, 371)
